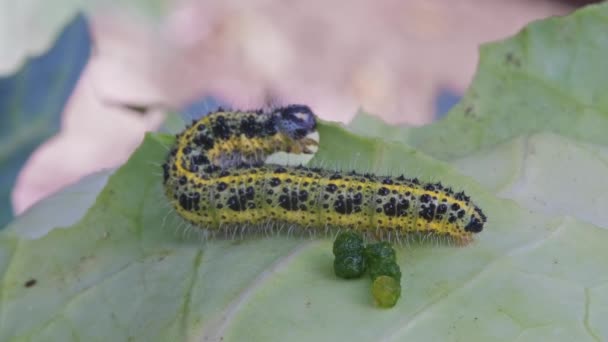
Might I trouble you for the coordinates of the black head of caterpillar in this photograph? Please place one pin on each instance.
(295, 121)
(215, 177)
(478, 219)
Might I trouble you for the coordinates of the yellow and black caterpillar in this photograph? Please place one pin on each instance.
(215, 178)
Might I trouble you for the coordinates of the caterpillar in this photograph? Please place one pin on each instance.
(216, 178)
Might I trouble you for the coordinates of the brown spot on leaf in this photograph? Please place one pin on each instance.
(512, 60)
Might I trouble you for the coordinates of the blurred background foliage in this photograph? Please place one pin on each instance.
(32, 100)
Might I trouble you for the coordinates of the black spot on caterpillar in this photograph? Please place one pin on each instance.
(216, 178)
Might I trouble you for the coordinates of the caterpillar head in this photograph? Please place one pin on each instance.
(476, 222)
(295, 121)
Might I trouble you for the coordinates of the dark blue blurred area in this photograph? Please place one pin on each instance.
(201, 107)
(445, 99)
(32, 101)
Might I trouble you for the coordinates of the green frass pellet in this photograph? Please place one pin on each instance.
(381, 251)
(385, 273)
(385, 268)
(350, 261)
(347, 243)
(349, 266)
(386, 291)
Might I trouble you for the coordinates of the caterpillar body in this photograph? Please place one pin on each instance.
(215, 178)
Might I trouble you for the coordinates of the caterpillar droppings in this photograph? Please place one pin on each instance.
(215, 177)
